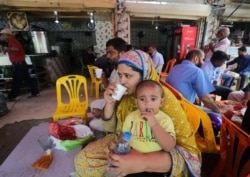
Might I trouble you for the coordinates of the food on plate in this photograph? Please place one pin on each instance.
(238, 106)
(230, 102)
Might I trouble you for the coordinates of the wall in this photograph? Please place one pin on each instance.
(143, 34)
(65, 31)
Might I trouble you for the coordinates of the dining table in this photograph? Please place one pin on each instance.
(19, 162)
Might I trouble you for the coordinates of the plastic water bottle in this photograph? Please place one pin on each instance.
(122, 146)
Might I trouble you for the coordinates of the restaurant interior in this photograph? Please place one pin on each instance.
(55, 34)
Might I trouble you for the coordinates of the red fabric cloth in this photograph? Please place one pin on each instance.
(16, 56)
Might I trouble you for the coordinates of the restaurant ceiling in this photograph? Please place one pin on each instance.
(167, 9)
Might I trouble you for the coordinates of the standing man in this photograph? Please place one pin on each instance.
(20, 68)
(223, 43)
(212, 68)
(114, 49)
(157, 58)
(191, 81)
(243, 68)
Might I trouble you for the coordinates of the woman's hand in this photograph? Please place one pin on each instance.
(109, 91)
(126, 164)
(135, 162)
(109, 108)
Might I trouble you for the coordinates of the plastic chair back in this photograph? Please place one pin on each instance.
(199, 121)
(94, 81)
(177, 94)
(84, 69)
(168, 67)
(72, 97)
(202, 126)
(235, 151)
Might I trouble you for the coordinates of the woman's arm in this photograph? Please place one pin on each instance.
(110, 102)
(136, 162)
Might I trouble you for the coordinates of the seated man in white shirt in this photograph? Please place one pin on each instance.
(212, 69)
(156, 57)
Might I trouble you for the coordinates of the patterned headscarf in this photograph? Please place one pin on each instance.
(139, 60)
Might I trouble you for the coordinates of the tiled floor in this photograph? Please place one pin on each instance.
(36, 107)
(39, 107)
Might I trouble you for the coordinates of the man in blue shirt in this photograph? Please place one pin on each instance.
(191, 81)
(243, 68)
(212, 68)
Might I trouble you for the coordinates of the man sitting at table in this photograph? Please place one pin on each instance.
(243, 68)
(212, 68)
(191, 81)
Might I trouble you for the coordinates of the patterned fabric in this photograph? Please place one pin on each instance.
(91, 161)
(139, 60)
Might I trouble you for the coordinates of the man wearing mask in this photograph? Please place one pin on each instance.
(156, 57)
(223, 43)
(191, 81)
(243, 68)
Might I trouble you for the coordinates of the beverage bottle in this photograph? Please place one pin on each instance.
(122, 146)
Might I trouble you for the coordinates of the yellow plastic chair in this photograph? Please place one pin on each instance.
(94, 81)
(72, 97)
(202, 126)
(199, 120)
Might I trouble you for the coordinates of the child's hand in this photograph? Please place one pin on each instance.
(149, 115)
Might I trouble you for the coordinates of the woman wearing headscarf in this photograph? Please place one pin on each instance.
(133, 67)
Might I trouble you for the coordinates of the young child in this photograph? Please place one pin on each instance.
(151, 129)
(96, 108)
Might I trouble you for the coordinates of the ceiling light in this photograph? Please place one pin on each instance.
(56, 15)
(56, 20)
